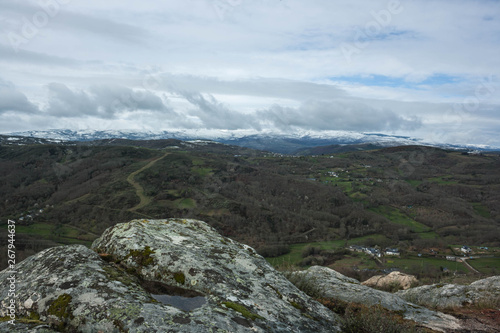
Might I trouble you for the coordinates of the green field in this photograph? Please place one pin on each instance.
(63, 234)
(413, 182)
(415, 262)
(202, 172)
(428, 235)
(481, 210)
(397, 217)
(359, 260)
(486, 265)
(185, 203)
(295, 255)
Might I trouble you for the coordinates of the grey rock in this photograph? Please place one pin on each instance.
(70, 288)
(25, 328)
(444, 296)
(337, 286)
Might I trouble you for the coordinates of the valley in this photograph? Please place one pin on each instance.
(426, 202)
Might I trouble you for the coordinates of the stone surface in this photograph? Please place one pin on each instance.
(71, 288)
(451, 295)
(399, 279)
(335, 285)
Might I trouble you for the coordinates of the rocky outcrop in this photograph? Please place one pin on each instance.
(337, 286)
(482, 292)
(393, 279)
(170, 275)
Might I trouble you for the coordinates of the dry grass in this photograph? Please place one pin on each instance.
(356, 318)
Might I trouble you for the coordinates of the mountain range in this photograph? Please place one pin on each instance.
(296, 143)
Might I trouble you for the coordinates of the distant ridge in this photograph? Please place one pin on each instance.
(296, 143)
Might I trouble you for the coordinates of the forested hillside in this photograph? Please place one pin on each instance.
(404, 196)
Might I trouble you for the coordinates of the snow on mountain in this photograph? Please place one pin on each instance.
(276, 142)
(88, 135)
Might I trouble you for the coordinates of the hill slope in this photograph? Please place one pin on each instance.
(403, 196)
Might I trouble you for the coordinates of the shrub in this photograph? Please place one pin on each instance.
(310, 251)
(306, 282)
(356, 318)
(375, 319)
(312, 261)
(273, 250)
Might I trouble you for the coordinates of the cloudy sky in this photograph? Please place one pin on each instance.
(422, 68)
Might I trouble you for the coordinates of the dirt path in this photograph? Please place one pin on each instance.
(464, 260)
(84, 230)
(139, 190)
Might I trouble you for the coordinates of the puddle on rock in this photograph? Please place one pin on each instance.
(181, 302)
(183, 299)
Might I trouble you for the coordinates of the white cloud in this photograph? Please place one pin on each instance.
(255, 64)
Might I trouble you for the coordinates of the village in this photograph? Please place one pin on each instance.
(453, 254)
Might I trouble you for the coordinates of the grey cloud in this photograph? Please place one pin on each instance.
(102, 27)
(13, 100)
(335, 115)
(67, 103)
(215, 115)
(105, 101)
(276, 88)
(8, 53)
(119, 97)
(67, 20)
(311, 115)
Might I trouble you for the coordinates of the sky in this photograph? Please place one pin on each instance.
(428, 69)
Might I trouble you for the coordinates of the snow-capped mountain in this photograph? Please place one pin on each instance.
(275, 142)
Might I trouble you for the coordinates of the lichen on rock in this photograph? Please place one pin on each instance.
(72, 289)
(442, 296)
(339, 287)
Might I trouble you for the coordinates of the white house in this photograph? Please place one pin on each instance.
(373, 252)
(465, 249)
(392, 252)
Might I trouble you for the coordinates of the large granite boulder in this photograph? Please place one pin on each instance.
(482, 292)
(393, 279)
(337, 286)
(170, 275)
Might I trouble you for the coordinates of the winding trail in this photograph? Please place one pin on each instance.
(139, 190)
(464, 260)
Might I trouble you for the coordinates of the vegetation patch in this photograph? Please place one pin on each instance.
(375, 319)
(32, 319)
(397, 217)
(61, 309)
(490, 266)
(142, 257)
(481, 210)
(185, 203)
(202, 172)
(117, 274)
(305, 282)
(296, 251)
(243, 310)
(445, 180)
(64, 234)
(296, 305)
(180, 277)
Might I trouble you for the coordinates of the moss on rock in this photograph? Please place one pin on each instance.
(243, 310)
(117, 274)
(180, 277)
(60, 307)
(142, 257)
